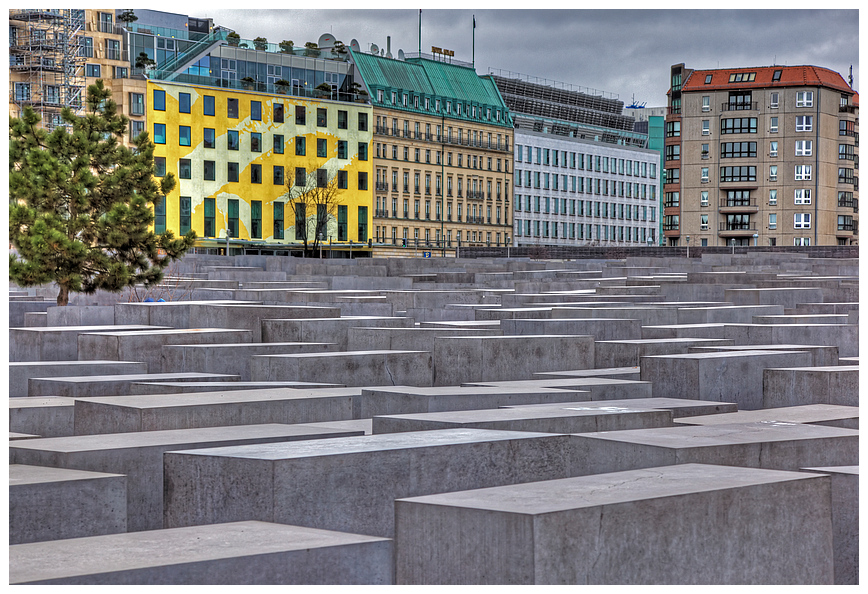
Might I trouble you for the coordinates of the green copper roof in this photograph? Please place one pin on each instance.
(435, 80)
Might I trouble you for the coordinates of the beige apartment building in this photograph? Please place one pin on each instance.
(761, 156)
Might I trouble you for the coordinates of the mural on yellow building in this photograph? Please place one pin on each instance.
(234, 152)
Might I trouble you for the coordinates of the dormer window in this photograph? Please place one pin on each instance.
(707, 79)
(742, 77)
(777, 75)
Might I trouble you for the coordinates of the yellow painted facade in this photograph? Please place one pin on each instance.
(199, 192)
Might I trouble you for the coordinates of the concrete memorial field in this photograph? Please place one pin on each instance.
(630, 420)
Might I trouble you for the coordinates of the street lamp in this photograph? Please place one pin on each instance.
(755, 237)
(733, 246)
(320, 245)
(688, 246)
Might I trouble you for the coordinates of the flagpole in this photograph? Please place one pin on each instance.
(420, 32)
(473, 58)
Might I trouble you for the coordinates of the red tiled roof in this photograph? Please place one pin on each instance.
(791, 76)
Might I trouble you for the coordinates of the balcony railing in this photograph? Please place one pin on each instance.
(847, 108)
(382, 186)
(849, 203)
(381, 213)
(737, 205)
(748, 106)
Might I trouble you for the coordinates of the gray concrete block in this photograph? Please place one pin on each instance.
(679, 407)
(139, 456)
(628, 353)
(599, 328)
(783, 296)
(232, 358)
(801, 319)
(236, 553)
(350, 483)
(109, 385)
(651, 526)
(56, 503)
(728, 314)
(81, 315)
(57, 343)
(684, 331)
(18, 309)
(774, 445)
(734, 376)
(542, 419)
(458, 360)
(627, 373)
(20, 372)
(647, 316)
(838, 384)
(821, 356)
(249, 316)
(48, 416)
(144, 388)
(353, 368)
(173, 314)
(845, 521)
(334, 330)
(408, 399)
(814, 414)
(844, 336)
(147, 345)
(597, 388)
(35, 319)
(405, 339)
(162, 412)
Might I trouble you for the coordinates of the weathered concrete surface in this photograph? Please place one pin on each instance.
(814, 414)
(543, 420)
(162, 412)
(59, 343)
(458, 360)
(236, 553)
(146, 345)
(598, 388)
(652, 526)
(353, 368)
(684, 331)
(774, 445)
(139, 456)
(821, 356)
(677, 406)
(21, 371)
(599, 328)
(363, 478)
(48, 416)
(843, 336)
(845, 521)
(56, 503)
(728, 314)
(837, 384)
(628, 353)
(725, 376)
(334, 330)
(144, 388)
(110, 385)
(627, 373)
(232, 358)
(405, 339)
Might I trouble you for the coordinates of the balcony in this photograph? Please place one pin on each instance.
(748, 106)
(670, 226)
(381, 213)
(736, 230)
(847, 109)
(737, 206)
(382, 186)
(471, 195)
(394, 213)
(849, 203)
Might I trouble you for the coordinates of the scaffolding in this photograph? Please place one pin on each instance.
(44, 51)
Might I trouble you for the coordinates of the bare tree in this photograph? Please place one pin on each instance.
(316, 202)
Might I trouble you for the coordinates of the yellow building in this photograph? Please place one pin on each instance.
(233, 152)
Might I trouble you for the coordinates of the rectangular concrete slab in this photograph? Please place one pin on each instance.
(187, 387)
(162, 412)
(349, 484)
(334, 329)
(725, 376)
(350, 368)
(21, 371)
(597, 388)
(843, 336)
(599, 328)
(837, 384)
(544, 420)
(56, 503)
(626, 353)
(845, 521)
(770, 444)
(60, 343)
(679, 407)
(110, 385)
(814, 414)
(48, 416)
(140, 457)
(220, 554)
(628, 373)
(651, 526)
(821, 356)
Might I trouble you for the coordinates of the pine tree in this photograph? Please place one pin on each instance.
(81, 203)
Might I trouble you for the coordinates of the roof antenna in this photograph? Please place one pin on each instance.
(851, 76)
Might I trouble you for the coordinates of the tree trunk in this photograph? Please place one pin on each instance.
(63, 296)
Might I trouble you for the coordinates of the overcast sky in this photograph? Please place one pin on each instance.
(625, 52)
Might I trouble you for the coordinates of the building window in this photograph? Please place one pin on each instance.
(93, 70)
(703, 198)
(773, 98)
(846, 128)
(278, 118)
(802, 220)
(256, 173)
(277, 176)
(803, 172)
(232, 217)
(277, 142)
(773, 197)
(363, 180)
(300, 176)
(773, 220)
(738, 126)
(208, 105)
(137, 104)
(673, 152)
(256, 219)
(159, 100)
(321, 148)
(232, 142)
(847, 176)
(342, 180)
(183, 102)
(300, 221)
(277, 218)
(802, 241)
(300, 116)
(363, 223)
(773, 148)
(773, 173)
(737, 149)
(706, 103)
(847, 152)
(184, 212)
(738, 174)
(160, 166)
(804, 123)
(342, 149)
(363, 151)
(256, 142)
(804, 98)
(703, 222)
(804, 148)
(704, 177)
(321, 117)
(208, 140)
(256, 110)
(185, 170)
(773, 124)
(300, 146)
(322, 178)
(232, 108)
(209, 171)
(673, 129)
(159, 133)
(136, 128)
(209, 218)
(802, 196)
(232, 172)
(706, 127)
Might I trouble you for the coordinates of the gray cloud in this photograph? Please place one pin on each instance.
(625, 52)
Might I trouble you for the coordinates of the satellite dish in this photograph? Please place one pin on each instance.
(375, 49)
(382, 52)
(354, 45)
(326, 40)
(400, 54)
